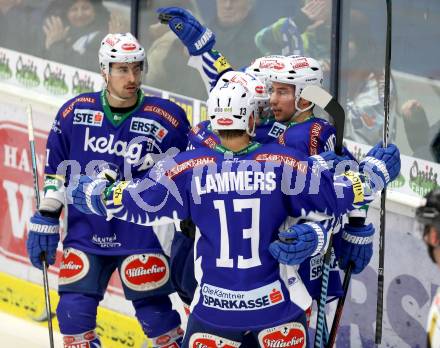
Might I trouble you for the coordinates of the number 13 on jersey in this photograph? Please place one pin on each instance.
(252, 233)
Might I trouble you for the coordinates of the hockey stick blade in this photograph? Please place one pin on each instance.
(164, 18)
(324, 100)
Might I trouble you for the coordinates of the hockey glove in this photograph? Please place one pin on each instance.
(197, 38)
(281, 37)
(299, 242)
(88, 195)
(331, 161)
(381, 166)
(43, 237)
(356, 246)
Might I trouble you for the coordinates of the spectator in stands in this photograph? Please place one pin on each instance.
(73, 30)
(18, 20)
(423, 139)
(235, 25)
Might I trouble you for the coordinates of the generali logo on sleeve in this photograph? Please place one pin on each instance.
(145, 271)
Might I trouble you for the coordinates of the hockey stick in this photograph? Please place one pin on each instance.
(324, 100)
(340, 307)
(386, 104)
(37, 198)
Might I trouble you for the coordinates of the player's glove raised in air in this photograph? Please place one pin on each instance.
(43, 237)
(281, 37)
(381, 166)
(88, 194)
(299, 242)
(196, 37)
(356, 247)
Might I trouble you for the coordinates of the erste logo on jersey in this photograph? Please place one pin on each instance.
(277, 129)
(225, 299)
(74, 266)
(88, 117)
(145, 271)
(148, 127)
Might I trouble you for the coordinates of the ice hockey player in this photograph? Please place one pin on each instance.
(429, 216)
(306, 132)
(126, 130)
(241, 286)
(313, 136)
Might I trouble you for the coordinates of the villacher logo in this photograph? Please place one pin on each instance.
(74, 266)
(145, 271)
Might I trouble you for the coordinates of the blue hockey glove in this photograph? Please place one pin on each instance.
(298, 243)
(197, 38)
(87, 196)
(381, 165)
(356, 246)
(331, 161)
(43, 236)
(281, 37)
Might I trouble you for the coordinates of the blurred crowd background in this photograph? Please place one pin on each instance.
(69, 32)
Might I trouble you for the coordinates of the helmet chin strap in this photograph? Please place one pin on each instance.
(113, 95)
(251, 132)
(299, 110)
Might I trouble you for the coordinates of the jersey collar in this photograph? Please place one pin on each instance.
(116, 119)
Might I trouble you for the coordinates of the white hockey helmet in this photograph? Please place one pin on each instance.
(229, 107)
(120, 48)
(300, 72)
(260, 67)
(251, 82)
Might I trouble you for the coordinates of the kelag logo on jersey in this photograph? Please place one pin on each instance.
(88, 117)
(224, 299)
(131, 151)
(148, 127)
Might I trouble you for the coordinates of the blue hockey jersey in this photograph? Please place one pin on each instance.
(202, 135)
(312, 137)
(309, 137)
(238, 201)
(84, 132)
